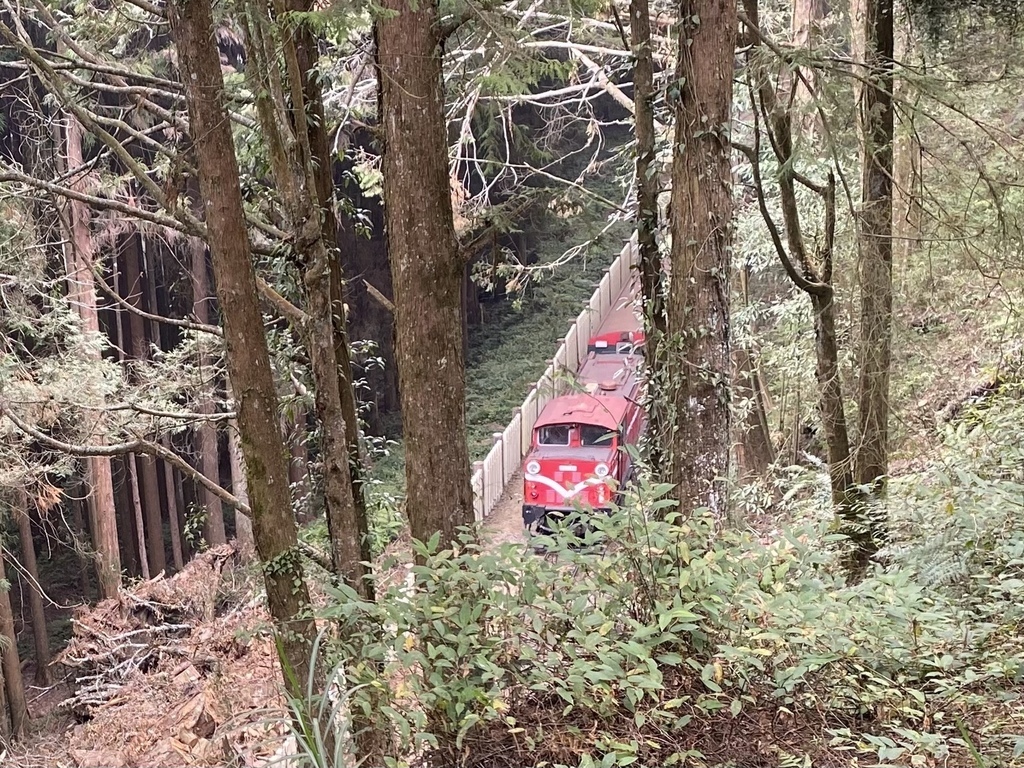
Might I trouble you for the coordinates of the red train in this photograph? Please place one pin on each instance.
(575, 459)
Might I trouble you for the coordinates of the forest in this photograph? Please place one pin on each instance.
(277, 275)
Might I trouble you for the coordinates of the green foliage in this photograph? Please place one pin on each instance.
(640, 627)
(195, 519)
(940, 18)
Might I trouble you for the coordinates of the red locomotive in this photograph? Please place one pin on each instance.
(575, 460)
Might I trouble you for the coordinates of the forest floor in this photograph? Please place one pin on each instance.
(182, 671)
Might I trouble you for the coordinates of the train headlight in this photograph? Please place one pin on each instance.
(601, 470)
(533, 468)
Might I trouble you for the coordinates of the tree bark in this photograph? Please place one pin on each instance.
(831, 404)
(874, 23)
(239, 487)
(292, 162)
(17, 704)
(427, 269)
(806, 25)
(875, 121)
(697, 345)
(80, 535)
(40, 633)
(754, 450)
(294, 429)
(306, 48)
(655, 321)
(151, 265)
(134, 497)
(5, 711)
(126, 518)
(207, 446)
(79, 258)
(171, 493)
(248, 357)
(140, 526)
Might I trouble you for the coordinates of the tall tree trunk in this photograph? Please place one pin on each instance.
(831, 405)
(655, 321)
(426, 268)
(5, 710)
(248, 357)
(81, 534)
(171, 494)
(126, 518)
(697, 345)
(291, 158)
(131, 459)
(349, 405)
(207, 447)
(188, 499)
(137, 348)
(152, 264)
(40, 634)
(754, 450)
(243, 525)
(79, 257)
(140, 526)
(875, 121)
(306, 49)
(17, 704)
(806, 25)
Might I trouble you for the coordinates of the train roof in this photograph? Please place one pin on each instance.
(608, 374)
(623, 316)
(608, 412)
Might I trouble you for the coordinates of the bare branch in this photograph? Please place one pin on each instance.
(187, 324)
(120, 449)
(383, 300)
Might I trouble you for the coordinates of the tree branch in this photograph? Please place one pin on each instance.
(799, 280)
(120, 449)
(187, 324)
(383, 300)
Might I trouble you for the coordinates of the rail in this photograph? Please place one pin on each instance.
(491, 475)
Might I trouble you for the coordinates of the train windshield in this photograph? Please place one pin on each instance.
(556, 434)
(590, 435)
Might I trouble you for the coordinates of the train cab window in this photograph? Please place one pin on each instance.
(590, 435)
(556, 434)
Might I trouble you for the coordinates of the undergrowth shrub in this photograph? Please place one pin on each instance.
(656, 639)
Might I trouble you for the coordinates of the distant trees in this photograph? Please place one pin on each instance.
(80, 261)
